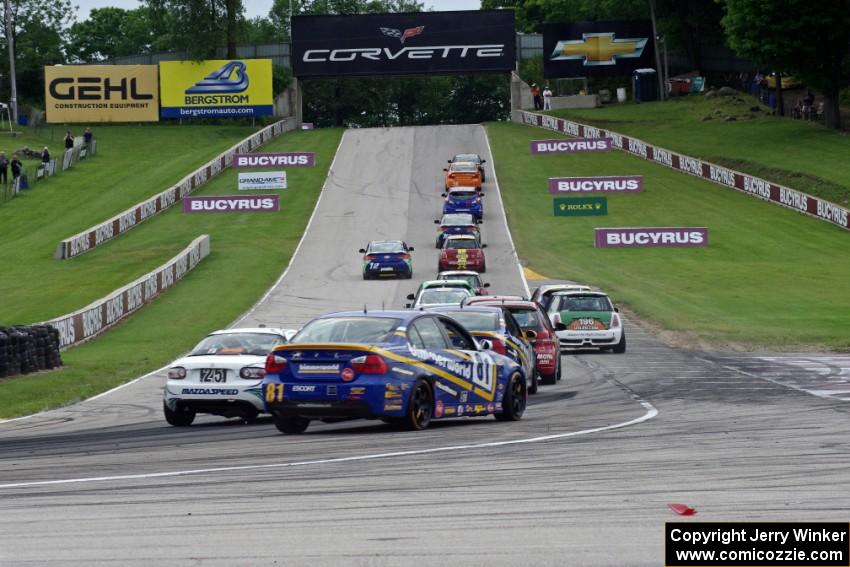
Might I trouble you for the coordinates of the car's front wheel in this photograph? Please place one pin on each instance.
(513, 404)
(420, 406)
(181, 417)
(291, 425)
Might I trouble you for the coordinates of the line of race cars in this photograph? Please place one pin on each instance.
(454, 352)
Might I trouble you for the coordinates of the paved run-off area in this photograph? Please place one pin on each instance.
(583, 479)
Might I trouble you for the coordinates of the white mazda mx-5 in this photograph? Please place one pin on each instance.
(222, 375)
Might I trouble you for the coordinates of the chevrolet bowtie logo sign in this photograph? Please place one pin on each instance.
(598, 49)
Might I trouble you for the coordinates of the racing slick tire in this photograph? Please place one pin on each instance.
(535, 382)
(551, 379)
(620, 347)
(483, 267)
(291, 425)
(420, 406)
(180, 418)
(558, 375)
(513, 404)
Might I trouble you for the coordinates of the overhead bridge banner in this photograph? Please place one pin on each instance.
(582, 49)
(403, 44)
(101, 93)
(216, 88)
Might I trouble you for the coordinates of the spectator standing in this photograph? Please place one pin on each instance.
(17, 166)
(547, 98)
(535, 95)
(87, 137)
(69, 140)
(4, 168)
(45, 156)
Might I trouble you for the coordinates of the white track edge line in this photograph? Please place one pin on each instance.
(505, 213)
(234, 323)
(651, 412)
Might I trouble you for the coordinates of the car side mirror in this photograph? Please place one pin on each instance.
(483, 246)
(362, 250)
(487, 284)
(436, 222)
(443, 194)
(617, 309)
(448, 161)
(445, 169)
(483, 161)
(480, 221)
(530, 334)
(485, 344)
(560, 327)
(411, 297)
(410, 248)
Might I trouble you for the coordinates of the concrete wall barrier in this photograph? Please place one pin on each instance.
(119, 224)
(105, 313)
(748, 184)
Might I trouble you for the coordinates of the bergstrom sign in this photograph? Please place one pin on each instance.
(403, 44)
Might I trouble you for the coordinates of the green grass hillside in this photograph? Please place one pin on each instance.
(770, 277)
(248, 253)
(801, 155)
(133, 163)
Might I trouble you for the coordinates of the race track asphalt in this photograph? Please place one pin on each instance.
(584, 479)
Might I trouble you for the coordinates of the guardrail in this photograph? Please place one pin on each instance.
(99, 234)
(745, 183)
(105, 313)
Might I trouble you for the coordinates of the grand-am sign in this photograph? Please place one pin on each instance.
(403, 44)
(649, 237)
(747, 184)
(262, 180)
(605, 184)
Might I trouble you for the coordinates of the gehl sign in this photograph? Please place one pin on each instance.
(101, 93)
(403, 44)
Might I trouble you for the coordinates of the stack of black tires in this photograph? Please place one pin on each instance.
(28, 349)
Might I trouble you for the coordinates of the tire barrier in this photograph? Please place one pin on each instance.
(119, 224)
(105, 313)
(747, 184)
(24, 350)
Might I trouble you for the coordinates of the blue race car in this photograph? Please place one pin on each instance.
(463, 200)
(382, 258)
(404, 367)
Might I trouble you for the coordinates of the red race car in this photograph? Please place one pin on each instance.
(531, 317)
(462, 252)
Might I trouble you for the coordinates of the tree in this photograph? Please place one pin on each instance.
(196, 26)
(813, 42)
(109, 33)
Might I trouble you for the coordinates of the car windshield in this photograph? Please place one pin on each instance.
(462, 195)
(580, 303)
(476, 321)
(464, 167)
(474, 158)
(442, 296)
(473, 281)
(347, 330)
(461, 243)
(448, 283)
(527, 318)
(259, 344)
(456, 219)
(385, 247)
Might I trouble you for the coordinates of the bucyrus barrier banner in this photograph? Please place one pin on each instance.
(99, 234)
(101, 93)
(747, 184)
(107, 312)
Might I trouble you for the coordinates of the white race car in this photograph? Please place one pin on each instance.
(222, 375)
(586, 319)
